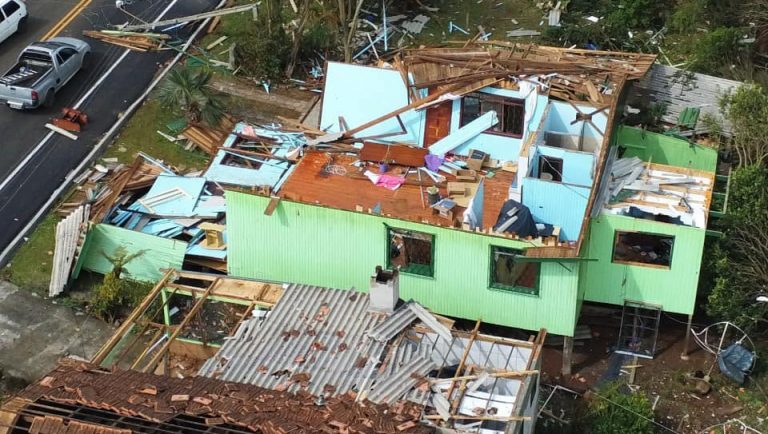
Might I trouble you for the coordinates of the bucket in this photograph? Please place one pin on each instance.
(433, 195)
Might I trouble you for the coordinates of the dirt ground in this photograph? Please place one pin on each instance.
(662, 379)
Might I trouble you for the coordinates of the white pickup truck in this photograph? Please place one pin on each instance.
(13, 16)
(42, 69)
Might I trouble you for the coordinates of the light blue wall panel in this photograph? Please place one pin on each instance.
(562, 114)
(362, 93)
(557, 204)
(577, 166)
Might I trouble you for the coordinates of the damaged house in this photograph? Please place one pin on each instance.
(498, 180)
(292, 358)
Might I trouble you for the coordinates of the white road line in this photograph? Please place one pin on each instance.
(106, 138)
(77, 105)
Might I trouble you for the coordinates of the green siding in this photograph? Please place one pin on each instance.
(320, 246)
(158, 253)
(674, 288)
(662, 149)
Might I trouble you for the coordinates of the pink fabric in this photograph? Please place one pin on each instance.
(387, 181)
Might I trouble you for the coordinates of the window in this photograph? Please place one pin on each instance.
(550, 168)
(411, 252)
(511, 112)
(642, 248)
(67, 53)
(10, 8)
(511, 275)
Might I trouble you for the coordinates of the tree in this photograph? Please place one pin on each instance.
(348, 11)
(613, 411)
(747, 110)
(740, 260)
(115, 292)
(303, 16)
(187, 88)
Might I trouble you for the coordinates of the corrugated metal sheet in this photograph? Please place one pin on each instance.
(153, 253)
(318, 331)
(674, 288)
(394, 324)
(389, 389)
(340, 249)
(661, 149)
(681, 89)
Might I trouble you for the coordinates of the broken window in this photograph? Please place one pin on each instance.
(411, 251)
(643, 248)
(512, 275)
(511, 112)
(550, 168)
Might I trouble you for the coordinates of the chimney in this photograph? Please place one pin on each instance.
(384, 292)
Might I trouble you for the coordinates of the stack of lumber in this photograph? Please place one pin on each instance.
(131, 40)
(207, 139)
(105, 185)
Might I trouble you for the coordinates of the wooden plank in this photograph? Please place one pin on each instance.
(110, 344)
(187, 319)
(393, 154)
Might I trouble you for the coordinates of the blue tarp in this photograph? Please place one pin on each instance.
(735, 362)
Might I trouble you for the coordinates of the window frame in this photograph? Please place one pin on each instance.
(521, 290)
(390, 230)
(549, 160)
(616, 234)
(505, 101)
(8, 5)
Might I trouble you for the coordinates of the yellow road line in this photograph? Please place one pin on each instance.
(66, 20)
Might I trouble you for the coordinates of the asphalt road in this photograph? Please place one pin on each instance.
(26, 188)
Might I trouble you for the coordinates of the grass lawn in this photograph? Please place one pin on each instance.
(140, 134)
(30, 268)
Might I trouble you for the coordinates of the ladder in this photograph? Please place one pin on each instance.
(17, 77)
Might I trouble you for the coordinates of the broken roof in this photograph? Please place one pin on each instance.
(333, 180)
(678, 90)
(634, 187)
(83, 397)
(327, 342)
(572, 74)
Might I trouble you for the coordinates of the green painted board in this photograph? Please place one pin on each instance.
(674, 288)
(662, 149)
(158, 253)
(313, 245)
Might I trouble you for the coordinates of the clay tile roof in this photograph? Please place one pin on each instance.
(163, 401)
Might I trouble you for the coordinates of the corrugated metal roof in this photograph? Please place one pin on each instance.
(312, 330)
(681, 89)
(393, 325)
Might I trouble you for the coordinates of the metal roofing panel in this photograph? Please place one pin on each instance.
(317, 331)
(389, 389)
(680, 89)
(394, 324)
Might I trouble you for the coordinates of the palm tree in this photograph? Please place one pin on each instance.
(188, 89)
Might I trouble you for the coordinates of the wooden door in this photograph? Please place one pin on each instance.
(438, 122)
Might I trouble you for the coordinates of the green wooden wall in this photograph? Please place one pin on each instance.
(674, 288)
(662, 149)
(157, 252)
(314, 245)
